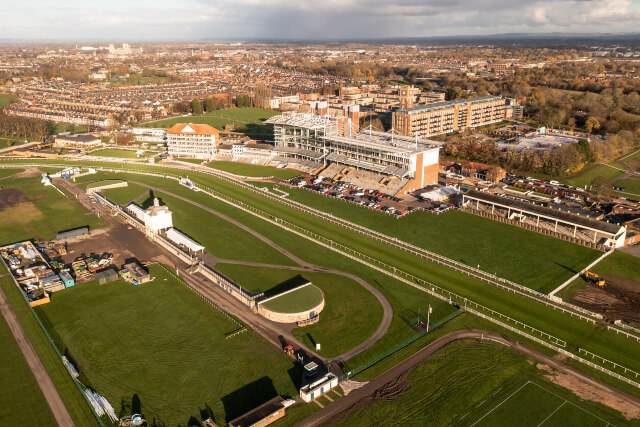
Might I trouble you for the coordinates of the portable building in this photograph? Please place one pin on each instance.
(135, 274)
(63, 235)
(106, 276)
(67, 279)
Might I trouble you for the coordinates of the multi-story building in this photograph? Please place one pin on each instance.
(440, 118)
(192, 140)
(327, 139)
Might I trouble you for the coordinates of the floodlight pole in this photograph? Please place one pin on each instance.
(428, 317)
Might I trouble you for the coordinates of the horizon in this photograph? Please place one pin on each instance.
(202, 20)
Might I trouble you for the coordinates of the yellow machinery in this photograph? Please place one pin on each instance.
(593, 278)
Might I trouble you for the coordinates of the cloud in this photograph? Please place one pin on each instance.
(310, 19)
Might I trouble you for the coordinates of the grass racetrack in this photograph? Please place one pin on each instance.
(126, 154)
(161, 349)
(244, 169)
(351, 314)
(21, 399)
(534, 260)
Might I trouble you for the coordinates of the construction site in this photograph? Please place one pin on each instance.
(615, 297)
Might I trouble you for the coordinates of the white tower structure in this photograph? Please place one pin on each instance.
(157, 218)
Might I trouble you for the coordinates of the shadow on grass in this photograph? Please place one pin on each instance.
(566, 268)
(248, 397)
(287, 285)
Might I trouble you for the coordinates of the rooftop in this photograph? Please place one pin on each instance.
(192, 128)
(542, 210)
(448, 104)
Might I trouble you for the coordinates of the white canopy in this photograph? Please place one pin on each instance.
(177, 237)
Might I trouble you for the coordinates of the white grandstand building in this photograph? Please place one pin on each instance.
(327, 140)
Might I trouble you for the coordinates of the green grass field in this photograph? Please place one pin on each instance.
(245, 120)
(535, 405)
(124, 195)
(632, 185)
(586, 176)
(244, 169)
(295, 301)
(105, 182)
(6, 99)
(125, 154)
(21, 399)
(162, 348)
(348, 306)
(44, 212)
(8, 172)
(531, 259)
(71, 396)
(577, 332)
(463, 381)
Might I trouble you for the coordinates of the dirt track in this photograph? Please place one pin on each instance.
(335, 410)
(49, 391)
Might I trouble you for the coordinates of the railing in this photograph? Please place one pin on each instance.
(382, 267)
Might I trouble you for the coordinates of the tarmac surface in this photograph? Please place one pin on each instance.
(59, 411)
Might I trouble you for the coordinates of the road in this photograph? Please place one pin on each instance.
(337, 408)
(59, 411)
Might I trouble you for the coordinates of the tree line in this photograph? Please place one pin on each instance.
(23, 127)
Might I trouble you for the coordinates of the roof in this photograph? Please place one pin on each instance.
(87, 137)
(259, 413)
(448, 104)
(177, 237)
(193, 128)
(542, 210)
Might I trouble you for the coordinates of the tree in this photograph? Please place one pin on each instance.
(600, 187)
(592, 123)
(209, 105)
(196, 107)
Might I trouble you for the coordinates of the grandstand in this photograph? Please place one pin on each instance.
(547, 220)
(330, 140)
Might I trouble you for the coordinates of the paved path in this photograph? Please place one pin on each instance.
(386, 306)
(333, 411)
(49, 391)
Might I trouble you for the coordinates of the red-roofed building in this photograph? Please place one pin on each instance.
(192, 140)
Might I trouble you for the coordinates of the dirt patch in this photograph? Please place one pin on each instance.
(21, 213)
(27, 173)
(11, 197)
(588, 392)
(618, 299)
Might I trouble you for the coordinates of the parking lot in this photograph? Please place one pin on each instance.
(367, 198)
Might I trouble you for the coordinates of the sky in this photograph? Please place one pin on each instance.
(165, 20)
